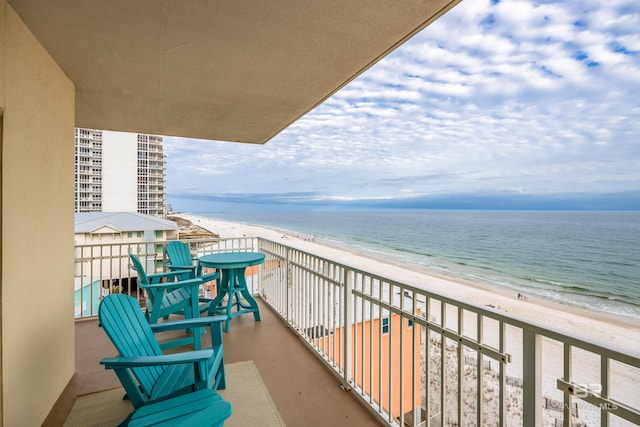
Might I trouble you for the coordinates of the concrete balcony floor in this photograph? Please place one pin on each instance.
(305, 391)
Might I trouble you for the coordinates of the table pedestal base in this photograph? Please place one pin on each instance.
(239, 301)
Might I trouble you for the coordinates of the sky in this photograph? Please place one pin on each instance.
(498, 104)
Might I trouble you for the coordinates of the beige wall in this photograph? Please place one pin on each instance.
(37, 100)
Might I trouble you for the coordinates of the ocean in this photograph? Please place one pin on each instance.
(587, 259)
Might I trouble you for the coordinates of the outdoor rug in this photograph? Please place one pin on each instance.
(252, 404)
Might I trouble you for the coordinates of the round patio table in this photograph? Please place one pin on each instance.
(233, 285)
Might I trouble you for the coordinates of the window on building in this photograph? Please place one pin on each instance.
(159, 234)
(385, 325)
(129, 234)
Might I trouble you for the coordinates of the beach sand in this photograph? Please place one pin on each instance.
(610, 330)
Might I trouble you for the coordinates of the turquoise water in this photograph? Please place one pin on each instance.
(583, 258)
(90, 297)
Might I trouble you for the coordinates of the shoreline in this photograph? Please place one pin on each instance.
(621, 331)
(618, 319)
(603, 329)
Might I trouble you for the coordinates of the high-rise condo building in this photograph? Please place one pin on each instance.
(119, 172)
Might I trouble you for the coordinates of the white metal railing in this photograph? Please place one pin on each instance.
(101, 269)
(417, 358)
(420, 358)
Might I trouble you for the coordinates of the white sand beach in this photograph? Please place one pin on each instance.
(614, 331)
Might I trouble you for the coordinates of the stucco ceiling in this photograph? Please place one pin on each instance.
(224, 70)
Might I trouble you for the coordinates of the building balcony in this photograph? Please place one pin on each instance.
(340, 346)
(304, 391)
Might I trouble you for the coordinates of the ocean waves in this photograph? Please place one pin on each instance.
(585, 259)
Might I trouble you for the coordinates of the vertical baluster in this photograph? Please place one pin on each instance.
(348, 323)
(460, 354)
(427, 361)
(378, 332)
(605, 377)
(415, 343)
(502, 366)
(480, 370)
(389, 358)
(567, 367)
(531, 381)
(443, 364)
(372, 339)
(401, 360)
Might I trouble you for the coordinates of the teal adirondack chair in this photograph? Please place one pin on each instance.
(202, 408)
(180, 258)
(166, 295)
(147, 374)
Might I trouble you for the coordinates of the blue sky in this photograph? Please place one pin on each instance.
(499, 104)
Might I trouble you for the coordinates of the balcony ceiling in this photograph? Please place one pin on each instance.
(223, 70)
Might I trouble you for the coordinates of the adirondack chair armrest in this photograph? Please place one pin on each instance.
(196, 322)
(213, 322)
(157, 277)
(210, 276)
(175, 285)
(180, 267)
(198, 266)
(165, 359)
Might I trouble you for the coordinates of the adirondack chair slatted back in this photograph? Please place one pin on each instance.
(179, 254)
(161, 303)
(180, 258)
(121, 318)
(143, 279)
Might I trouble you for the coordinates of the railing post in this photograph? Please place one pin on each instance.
(568, 373)
(348, 322)
(531, 378)
(288, 287)
(605, 378)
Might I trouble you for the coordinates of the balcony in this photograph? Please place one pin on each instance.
(305, 396)
(375, 350)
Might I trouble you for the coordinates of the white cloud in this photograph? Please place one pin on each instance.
(517, 95)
